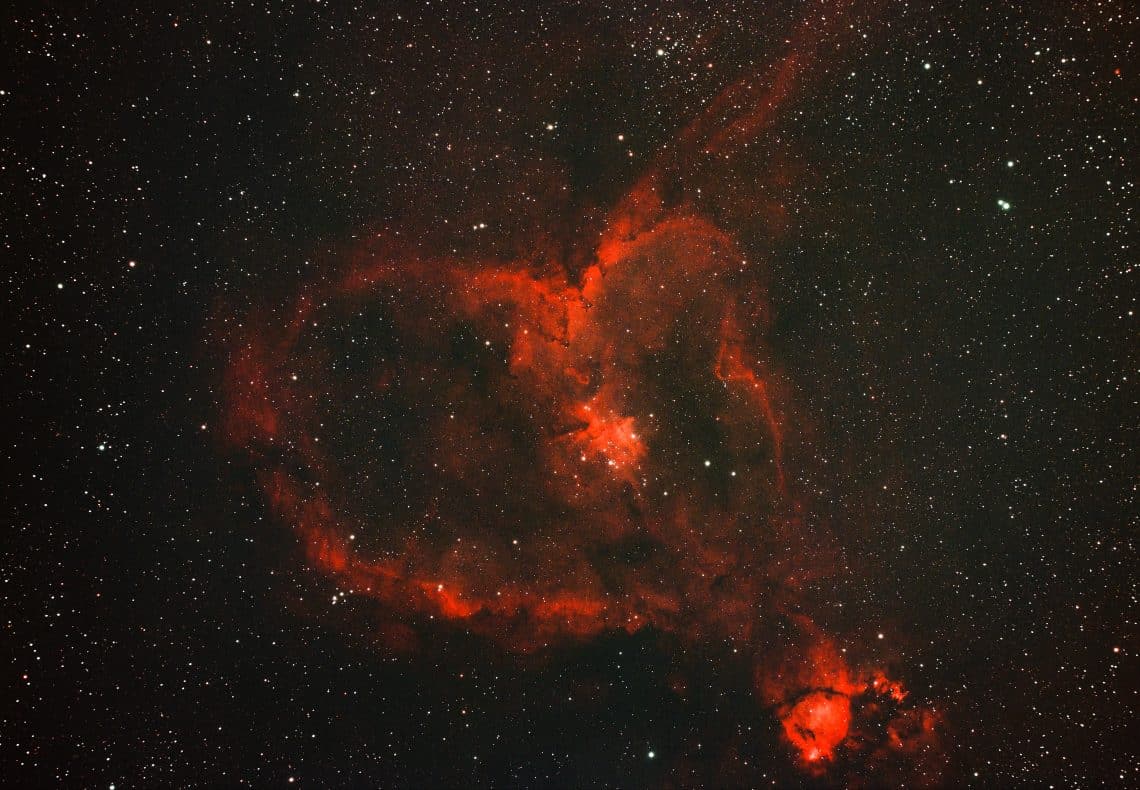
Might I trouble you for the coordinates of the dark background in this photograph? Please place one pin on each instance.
(967, 373)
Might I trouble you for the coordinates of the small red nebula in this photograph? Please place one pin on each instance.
(608, 436)
(883, 685)
(817, 724)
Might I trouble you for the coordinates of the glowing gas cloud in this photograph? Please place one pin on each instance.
(543, 451)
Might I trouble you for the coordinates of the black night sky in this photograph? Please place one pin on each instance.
(481, 394)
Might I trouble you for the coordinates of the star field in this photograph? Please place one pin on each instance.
(462, 394)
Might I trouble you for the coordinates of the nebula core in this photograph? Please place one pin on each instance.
(497, 444)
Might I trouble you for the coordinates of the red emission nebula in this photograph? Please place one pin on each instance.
(543, 451)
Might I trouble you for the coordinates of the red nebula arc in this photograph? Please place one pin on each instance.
(544, 453)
